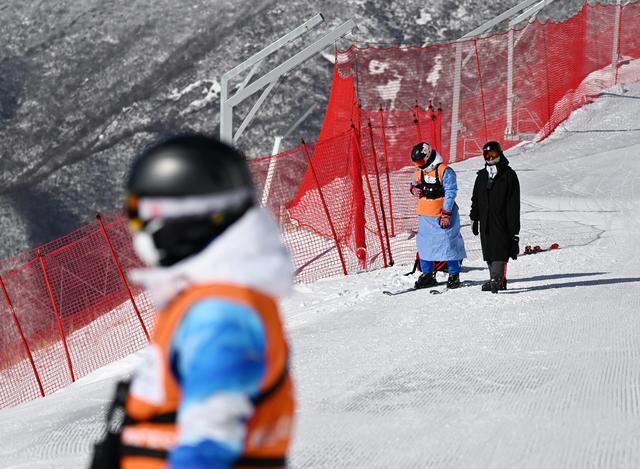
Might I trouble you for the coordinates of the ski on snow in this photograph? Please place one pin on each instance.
(433, 291)
(528, 250)
(464, 283)
(400, 292)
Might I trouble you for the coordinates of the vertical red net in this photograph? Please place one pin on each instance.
(343, 202)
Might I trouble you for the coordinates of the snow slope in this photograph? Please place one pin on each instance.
(546, 374)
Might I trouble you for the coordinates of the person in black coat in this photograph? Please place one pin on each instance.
(495, 214)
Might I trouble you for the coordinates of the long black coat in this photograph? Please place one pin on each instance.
(497, 208)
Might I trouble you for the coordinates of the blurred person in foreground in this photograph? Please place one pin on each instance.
(214, 390)
(495, 214)
(438, 238)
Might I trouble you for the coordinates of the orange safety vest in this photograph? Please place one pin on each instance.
(149, 431)
(430, 207)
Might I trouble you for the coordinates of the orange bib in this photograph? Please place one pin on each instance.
(430, 207)
(149, 432)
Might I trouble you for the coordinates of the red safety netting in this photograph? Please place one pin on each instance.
(68, 311)
(342, 202)
(553, 70)
(512, 86)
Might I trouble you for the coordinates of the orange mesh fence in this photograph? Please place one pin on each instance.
(343, 202)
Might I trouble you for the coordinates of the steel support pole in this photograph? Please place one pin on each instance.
(228, 102)
(455, 108)
(276, 149)
(226, 110)
(499, 19)
(508, 131)
(615, 48)
(301, 57)
(249, 117)
(270, 171)
(274, 46)
(226, 114)
(530, 13)
(455, 105)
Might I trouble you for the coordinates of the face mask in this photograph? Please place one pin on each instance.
(145, 249)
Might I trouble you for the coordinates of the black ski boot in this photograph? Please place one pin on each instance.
(426, 280)
(453, 281)
(495, 285)
(500, 285)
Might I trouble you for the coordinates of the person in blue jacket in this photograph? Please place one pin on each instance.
(214, 390)
(438, 237)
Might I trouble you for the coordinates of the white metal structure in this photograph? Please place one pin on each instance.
(527, 15)
(269, 80)
(276, 148)
(457, 78)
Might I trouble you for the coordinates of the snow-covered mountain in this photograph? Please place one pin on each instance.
(85, 83)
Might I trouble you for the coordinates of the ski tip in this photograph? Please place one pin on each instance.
(399, 292)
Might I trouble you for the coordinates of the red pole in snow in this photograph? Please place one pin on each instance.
(363, 165)
(439, 128)
(24, 340)
(432, 127)
(386, 167)
(57, 313)
(416, 121)
(324, 205)
(122, 276)
(384, 216)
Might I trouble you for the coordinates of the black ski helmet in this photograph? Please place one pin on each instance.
(184, 191)
(423, 155)
(492, 146)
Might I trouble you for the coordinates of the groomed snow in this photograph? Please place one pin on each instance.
(544, 375)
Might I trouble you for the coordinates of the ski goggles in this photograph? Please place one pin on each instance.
(142, 210)
(131, 208)
(490, 154)
(420, 163)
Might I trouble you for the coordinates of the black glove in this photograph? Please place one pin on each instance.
(474, 227)
(515, 247)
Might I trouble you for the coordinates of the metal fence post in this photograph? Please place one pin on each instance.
(324, 206)
(386, 167)
(416, 121)
(122, 276)
(615, 48)
(455, 105)
(439, 128)
(484, 108)
(384, 216)
(56, 312)
(508, 131)
(24, 340)
(364, 171)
